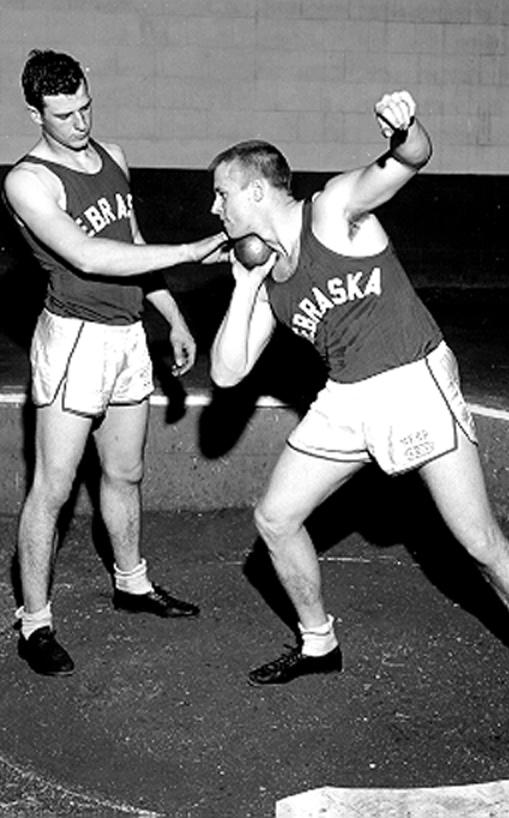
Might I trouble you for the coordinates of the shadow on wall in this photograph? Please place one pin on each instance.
(288, 370)
(22, 282)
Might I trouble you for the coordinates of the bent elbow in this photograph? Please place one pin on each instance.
(83, 261)
(86, 268)
(91, 257)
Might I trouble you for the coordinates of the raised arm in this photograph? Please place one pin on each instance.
(246, 328)
(33, 194)
(358, 192)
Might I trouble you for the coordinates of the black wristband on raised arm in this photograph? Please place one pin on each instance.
(412, 164)
(398, 139)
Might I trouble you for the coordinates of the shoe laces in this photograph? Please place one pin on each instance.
(289, 658)
(161, 594)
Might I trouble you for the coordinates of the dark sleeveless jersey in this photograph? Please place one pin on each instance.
(362, 314)
(100, 204)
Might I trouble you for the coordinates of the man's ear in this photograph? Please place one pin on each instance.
(258, 189)
(34, 114)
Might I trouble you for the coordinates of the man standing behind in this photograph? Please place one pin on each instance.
(392, 394)
(91, 372)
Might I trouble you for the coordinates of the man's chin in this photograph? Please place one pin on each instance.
(80, 144)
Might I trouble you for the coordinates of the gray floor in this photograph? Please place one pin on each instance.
(159, 717)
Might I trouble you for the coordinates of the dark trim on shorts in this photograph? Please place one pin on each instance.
(64, 376)
(444, 398)
(66, 370)
(332, 459)
(133, 402)
(95, 415)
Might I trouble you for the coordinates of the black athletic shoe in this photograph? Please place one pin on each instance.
(157, 601)
(293, 664)
(44, 655)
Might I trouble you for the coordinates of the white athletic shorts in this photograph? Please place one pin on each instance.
(401, 418)
(99, 365)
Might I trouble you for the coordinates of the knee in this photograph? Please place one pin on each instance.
(123, 473)
(488, 545)
(51, 490)
(271, 524)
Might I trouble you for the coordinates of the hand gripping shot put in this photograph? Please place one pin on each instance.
(251, 251)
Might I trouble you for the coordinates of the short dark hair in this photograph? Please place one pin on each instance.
(258, 157)
(48, 73)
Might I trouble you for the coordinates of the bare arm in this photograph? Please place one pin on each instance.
(183, 343)
(33, 195)
(246, 328)
(358, 192)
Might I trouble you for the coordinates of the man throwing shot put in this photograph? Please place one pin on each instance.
(91, 372)
(392, 394)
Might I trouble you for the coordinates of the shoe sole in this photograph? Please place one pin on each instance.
(254, 683)
(53, 674)
(155, 613)
(48, 672)
(325, 672)
(41, 672)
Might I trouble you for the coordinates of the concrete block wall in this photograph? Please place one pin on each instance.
(182, 472)
(174, 81)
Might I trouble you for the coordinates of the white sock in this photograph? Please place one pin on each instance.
(31, 622)
(133, 582)
(319, 640)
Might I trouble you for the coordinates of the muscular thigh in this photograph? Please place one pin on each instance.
(60, 441)
(456, 482)
(121, 436)
(300, 482)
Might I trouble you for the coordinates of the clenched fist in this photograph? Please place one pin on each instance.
(395, 112)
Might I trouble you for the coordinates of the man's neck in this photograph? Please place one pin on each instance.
(86, 159)
(287, 225)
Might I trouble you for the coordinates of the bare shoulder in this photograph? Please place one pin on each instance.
(337, 227)
(330, 205)
(26, 178)
(336, 192)
(117, 154)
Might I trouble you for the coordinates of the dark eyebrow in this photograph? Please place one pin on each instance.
(64, 114)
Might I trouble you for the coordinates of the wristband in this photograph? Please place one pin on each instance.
(398, 139)
(413, 165)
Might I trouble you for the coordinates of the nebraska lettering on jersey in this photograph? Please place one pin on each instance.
(100, 204)
(361, 313)
(104, 212)
(353, 287)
